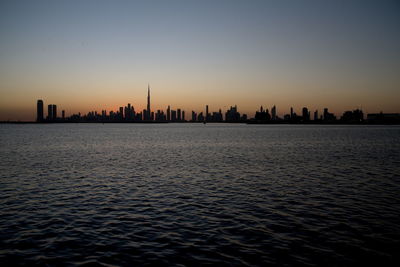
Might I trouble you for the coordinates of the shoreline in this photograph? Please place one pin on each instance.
(222, 122)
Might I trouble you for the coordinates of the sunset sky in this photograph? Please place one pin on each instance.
(94, 55)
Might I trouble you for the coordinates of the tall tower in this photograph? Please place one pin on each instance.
(40, 116)
(148, 103)
(168, 113)
(54, 112)
(273, 112)
(50, 112)
(316, 115)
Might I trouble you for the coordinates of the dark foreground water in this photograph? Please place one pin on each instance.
(135, 194)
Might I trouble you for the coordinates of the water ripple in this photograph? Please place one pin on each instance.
(112, 195)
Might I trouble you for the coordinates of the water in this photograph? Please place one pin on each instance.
(194, 194)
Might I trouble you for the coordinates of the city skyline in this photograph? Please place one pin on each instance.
(93, 55)
(30, 115)
(128, 113)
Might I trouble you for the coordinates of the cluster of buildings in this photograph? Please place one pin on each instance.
(128, 114)
(263, 115)
(52, 115)
(351, 116)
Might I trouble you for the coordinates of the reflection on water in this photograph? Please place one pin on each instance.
(199, 194)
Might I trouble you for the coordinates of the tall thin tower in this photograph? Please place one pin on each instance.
(40, 116)
(148, 102)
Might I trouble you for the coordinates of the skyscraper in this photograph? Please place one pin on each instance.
(39, 111)
(306, 114)
(179, 114)
(194, 116)
(173, 115)
(168, 113)
(49, 112)
(273, 112)
(148, 103)
(54, 112)
(121, 113)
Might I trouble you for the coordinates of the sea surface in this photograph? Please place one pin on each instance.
(194, 194)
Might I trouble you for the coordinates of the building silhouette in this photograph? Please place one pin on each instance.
(148, 103)
(207, 114)
(316, 115)
(385, 118)
(121, 113)
(54, 117)
(179, 114)
(173, 115)
(200, 117)
(306, 114)
(39, 111)
(262, 115)
(50, 112)
(273, 113)
(169, 113)
(328, 116)
(232, 115)
(353, 116)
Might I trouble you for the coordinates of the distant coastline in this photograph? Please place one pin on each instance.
(338, 122)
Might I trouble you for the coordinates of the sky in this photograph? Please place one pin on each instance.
(93, 55)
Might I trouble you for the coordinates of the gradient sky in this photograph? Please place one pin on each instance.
(93, 55)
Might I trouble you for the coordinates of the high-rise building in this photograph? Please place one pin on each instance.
(183, 115)
(179, 114)
(50, 112)
(316, 115)
(40, 116)
(328, 116)
(63, 114)
(144, 112)
(173, 115)
(273, 112)
(232, 115)
(129, 112)
(353, 116)
(220, 117)
(54, 112)
(169, 113)
(148, 103)
(121, 113)
(159, 115)
(306, 114)
(194, 116)
(200, 117)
